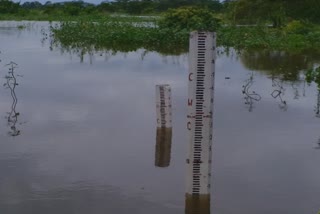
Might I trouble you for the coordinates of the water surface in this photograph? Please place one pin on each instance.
(88, 131)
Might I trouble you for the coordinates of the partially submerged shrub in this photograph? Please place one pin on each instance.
(189, 18)
(313, 75)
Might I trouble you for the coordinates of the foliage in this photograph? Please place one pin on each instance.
(298, 27)
(303, 10)
(127, 33)
(79, 7)
(313, 75)
(267, 38)
(7, 6)
(118, 36)
(255, 11)
(189, 19)
(275, 11)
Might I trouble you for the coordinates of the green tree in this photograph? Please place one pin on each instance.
(274, 11)
(253, 11)
(305, 10)
(7, 6)
(32, 5)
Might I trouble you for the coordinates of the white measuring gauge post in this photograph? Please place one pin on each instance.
(163, 106)
(202, 55)
(164, 125)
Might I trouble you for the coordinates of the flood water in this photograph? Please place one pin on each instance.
(82, 133)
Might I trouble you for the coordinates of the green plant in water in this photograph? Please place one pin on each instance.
(21, 27)
(170, 34)
(313, 75)
(118, 36)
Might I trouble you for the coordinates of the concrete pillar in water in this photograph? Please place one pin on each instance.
(164, 126)
(202, 54)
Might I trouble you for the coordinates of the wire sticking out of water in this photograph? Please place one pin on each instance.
(250, 96)
(11, 83)
(317, 109)
(278, 93)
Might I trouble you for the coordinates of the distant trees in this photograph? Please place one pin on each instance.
(304, 10)
(275, 11)
(154, 6)
(7, 6)
(32, 5)
(79, 7)
(253, 11)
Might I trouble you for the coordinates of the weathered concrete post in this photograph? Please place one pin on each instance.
(164, 125)
(202, 56)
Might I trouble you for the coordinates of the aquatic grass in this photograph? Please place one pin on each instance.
(119, 36)
(168, 36)
(313, 75)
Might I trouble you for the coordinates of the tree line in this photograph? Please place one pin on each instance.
(276, 12)
(120, 6)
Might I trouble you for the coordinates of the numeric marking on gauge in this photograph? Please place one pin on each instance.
(200, 108)
(163, 106)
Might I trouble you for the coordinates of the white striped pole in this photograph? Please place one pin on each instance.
(199, 120)
(163, 105)
(164, 125)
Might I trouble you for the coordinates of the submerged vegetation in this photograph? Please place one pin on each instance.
(118, 36)
(282, 25)
(170, 33)
(282, 30)
(313, 75)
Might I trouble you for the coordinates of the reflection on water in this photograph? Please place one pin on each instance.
(163, 147)
(278, 93)
(282, 64)
(249, 95)
(11, 84)
(295, 88)
(318, 144)
(197, 204)
(317, 109)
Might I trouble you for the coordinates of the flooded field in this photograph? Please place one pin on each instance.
(78, 131)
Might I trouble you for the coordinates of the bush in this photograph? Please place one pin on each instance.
(189, 18)
(313, 75)
(298, 27)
